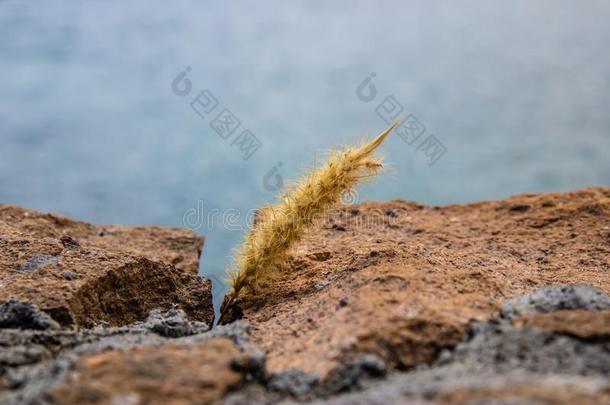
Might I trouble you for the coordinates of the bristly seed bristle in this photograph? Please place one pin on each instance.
(282, 225)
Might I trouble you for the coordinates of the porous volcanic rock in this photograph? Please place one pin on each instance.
(81, 274)
(165, 359)
(551, 355)
(403, 281)
(492, 302)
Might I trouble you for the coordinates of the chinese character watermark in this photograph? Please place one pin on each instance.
(225, 124)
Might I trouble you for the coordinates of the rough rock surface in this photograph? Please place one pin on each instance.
(199, 372)
(496, 302)
(141, 362)
(403, 281)
(587, 325)
(556, 298)
(24, 315)
(81, 274)
(501, 364)
(539, 359)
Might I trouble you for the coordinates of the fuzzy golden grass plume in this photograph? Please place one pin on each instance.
(282, 225)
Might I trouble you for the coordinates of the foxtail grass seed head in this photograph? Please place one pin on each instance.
(280, 226)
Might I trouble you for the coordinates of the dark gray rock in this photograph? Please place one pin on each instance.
(253, 366)
(29, 384)
(174, 324)
(69, 242)
(38, 261)
(349, 376)
(556, 298)
(293, 382)
(495, 355)
(501, 348)
(391, 212)
(69, 275)
(238, 332)
(24, 315)
(33, 361)
(21, 355)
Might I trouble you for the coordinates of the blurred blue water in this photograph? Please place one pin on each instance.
(517, 92)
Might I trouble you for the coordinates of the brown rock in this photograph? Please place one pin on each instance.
(587, 325)
(526, 393)
(406, 285)
(81, 274)
(167, 374)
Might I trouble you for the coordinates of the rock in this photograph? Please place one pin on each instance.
(502, 348)
(293, 382)
(171, 373)
(69, 243)
(69, 275)
(81, 275)
(492, 302)
(173, 324)
(391, 212)
(500, 363)
(556, 298)
(349, 376)
(35, 363)
(586, 325)
(24, 315)
(456, 388)
(26, 385)
(413, 294)
(320, 256)
(21, 356)
(38, 261)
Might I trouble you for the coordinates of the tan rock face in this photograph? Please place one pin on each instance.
(166, 374)
(587, 325)
(561, 392)
(403, 280)
(82, 274)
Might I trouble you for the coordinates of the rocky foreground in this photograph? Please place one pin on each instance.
(491, 302)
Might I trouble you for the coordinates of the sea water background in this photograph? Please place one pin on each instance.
(518, 93)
